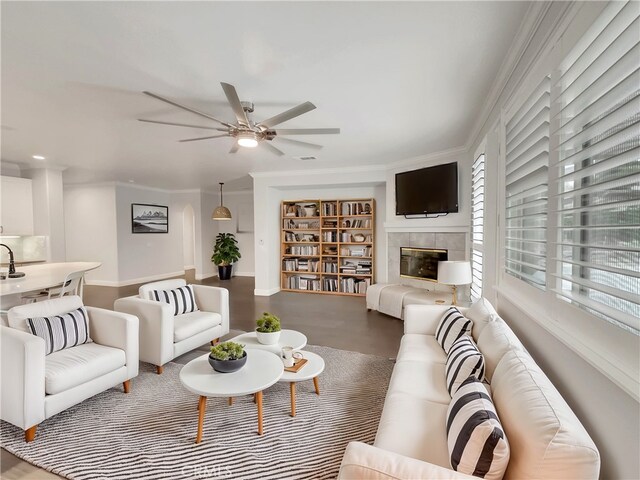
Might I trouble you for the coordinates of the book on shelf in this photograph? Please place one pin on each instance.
(355, 208)
(330, 224)
(354, 285)
(329, 284)
(329, 236)
(300, 237)
(302, 250)
(330, 267)
(296, 224)
(355, 251)
(356, 223)
(302, 282)
(329, 209)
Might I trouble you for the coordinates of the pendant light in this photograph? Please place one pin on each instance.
(221, 212)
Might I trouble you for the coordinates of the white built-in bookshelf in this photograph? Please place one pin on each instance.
(327, 246)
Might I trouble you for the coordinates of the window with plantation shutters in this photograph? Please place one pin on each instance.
(598, 169)
(477, 226)
(526, 188)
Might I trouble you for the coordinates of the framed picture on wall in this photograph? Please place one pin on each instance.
(149, 218)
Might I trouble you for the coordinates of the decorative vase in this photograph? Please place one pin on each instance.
(270, 338)
(228, 366)
(310, 210)
(224, 272)
(358, 237)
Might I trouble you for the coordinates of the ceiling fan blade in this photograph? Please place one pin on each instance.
(288, 115)
(234, 101)
(307, 131)
(188, 109)
(299, 143)
(271, 148)
(234, 148)
(181, 125)
(203, 138)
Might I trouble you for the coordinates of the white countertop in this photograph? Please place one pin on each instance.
(41, 276)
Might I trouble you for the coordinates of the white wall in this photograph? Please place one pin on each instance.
(188, 237)
(240, 204)
(209, 202)
(143, 257)
(91, 232)
(271, 189)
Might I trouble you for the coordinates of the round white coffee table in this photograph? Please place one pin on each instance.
(262, 370)
(310, 371)
(288, 338)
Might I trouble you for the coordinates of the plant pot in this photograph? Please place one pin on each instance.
(224, 272)
(228, 366)
(270, 338)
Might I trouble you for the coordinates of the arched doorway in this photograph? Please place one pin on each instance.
(189, 237)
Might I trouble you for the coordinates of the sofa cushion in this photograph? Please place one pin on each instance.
(464, 360)
(145, 290)
(190, 324)
(481, 313)
(17, 316)
(61, 331)
(495, 340)
(476, 441)
(421, 348)
(71, 367)
(547, 440)
(424, 380)
(181, 299)
(414, 427)
(452, 326)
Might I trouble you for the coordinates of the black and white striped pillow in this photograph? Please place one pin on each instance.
(464, 360)
(453, 325)
(476, 440)
(61, 331)
(181, 299)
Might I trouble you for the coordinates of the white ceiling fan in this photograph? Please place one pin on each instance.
(248, 132)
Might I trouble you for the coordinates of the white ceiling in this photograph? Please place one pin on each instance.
(399, 79)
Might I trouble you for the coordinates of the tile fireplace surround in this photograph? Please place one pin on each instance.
(455, 243)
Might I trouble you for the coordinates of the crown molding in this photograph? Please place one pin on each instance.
(407, 162)
(529, 26)
(320, 171)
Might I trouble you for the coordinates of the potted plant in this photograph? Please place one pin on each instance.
(225, 254)
(227, 357)
(268, 330)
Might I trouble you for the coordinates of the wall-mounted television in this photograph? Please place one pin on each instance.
(421, 263)
(431, 190)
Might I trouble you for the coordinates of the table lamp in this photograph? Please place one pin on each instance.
(454, 273)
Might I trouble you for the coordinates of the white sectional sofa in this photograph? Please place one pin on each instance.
(547, 441)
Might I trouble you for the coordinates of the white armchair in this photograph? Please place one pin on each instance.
(164, 336)
(36, 386)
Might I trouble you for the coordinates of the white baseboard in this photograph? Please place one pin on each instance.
(133, 281)
(200, 276)
(244, 274)
(259, 292)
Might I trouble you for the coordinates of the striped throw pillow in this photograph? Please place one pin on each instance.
(61, 331)
(476, 440)
(453, 325)
(181, 299)
(464, 360)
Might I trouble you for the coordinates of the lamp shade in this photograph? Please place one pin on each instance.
(454, 273)
(221, 213)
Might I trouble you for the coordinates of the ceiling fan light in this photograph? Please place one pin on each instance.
(247, 139)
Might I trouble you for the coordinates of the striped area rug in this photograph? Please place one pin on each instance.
(150, 433)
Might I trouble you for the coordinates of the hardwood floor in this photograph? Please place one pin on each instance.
(333, 321)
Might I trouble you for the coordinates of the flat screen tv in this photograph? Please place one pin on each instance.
(430, 190)
(421, 263)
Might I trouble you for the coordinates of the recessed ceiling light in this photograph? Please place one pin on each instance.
(38, 157)
(132, 181)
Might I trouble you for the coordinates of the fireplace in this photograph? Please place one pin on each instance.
(421, 263)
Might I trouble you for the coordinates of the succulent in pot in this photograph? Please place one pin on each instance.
(268, 330)
(227, 357)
